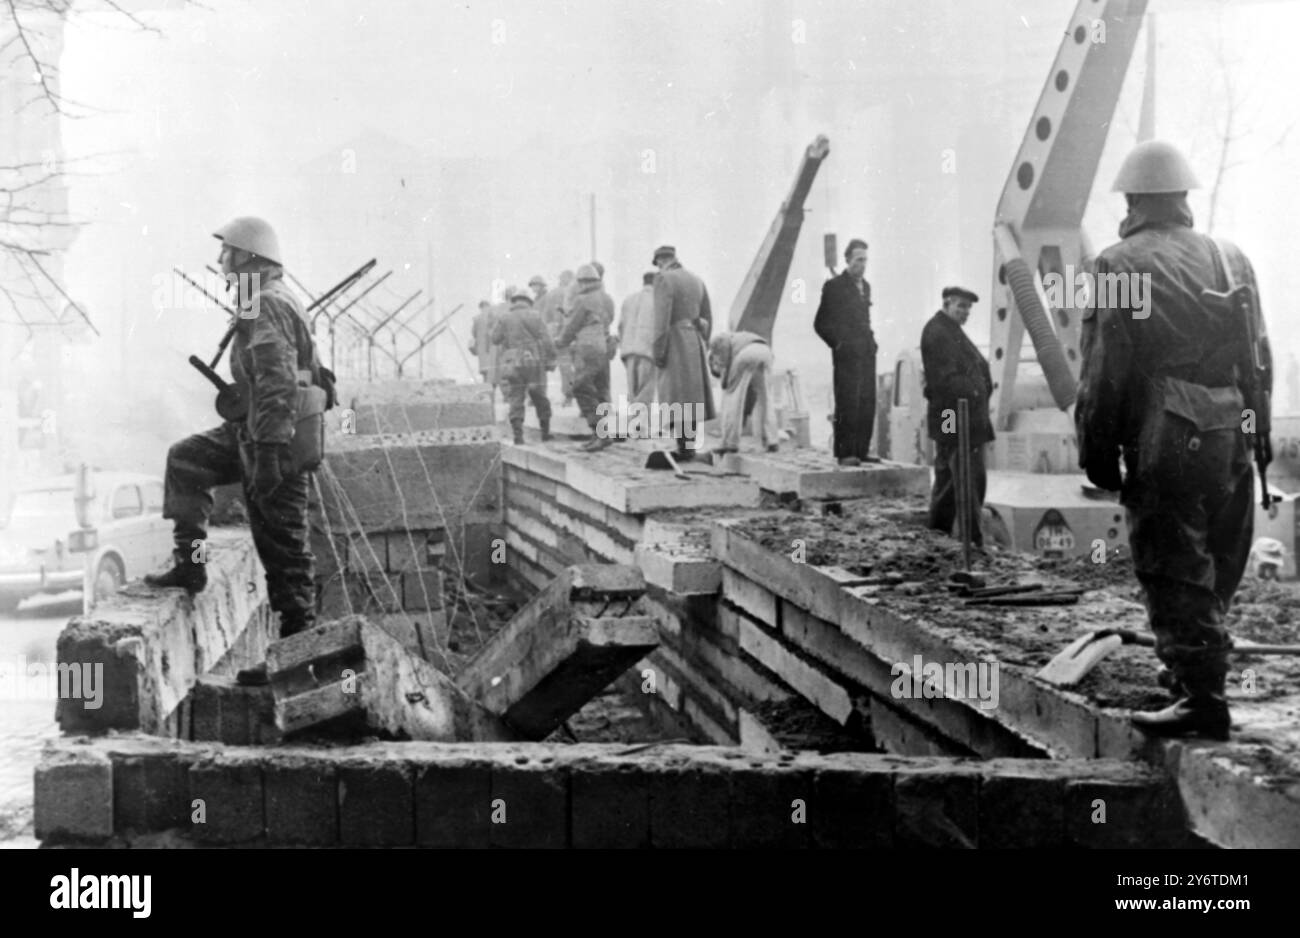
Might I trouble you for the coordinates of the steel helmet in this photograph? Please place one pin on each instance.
(253, 235)
(1153, 167)
(521, 297)
(587, 272)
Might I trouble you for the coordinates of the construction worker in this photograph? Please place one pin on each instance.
(955, 369)
(683, 324)
(636, 325)
(270, 355)
(527, 353)
(743, 362)
(1176, 386)
(843, 322)
(587, 332)
(481, 345)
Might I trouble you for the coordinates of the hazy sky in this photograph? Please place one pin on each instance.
(219, 114)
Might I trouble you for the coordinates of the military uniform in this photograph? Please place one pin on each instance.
(955, 369)
(587, 331)
(1165, 385)
(527, 353)
(271, 353)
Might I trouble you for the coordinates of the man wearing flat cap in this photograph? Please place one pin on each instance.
(683, 322)
(955, 369)
(843, 322)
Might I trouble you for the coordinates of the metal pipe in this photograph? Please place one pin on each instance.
(963, 480)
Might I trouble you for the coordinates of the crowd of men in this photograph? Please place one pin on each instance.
(662, 336)
(1172, 400)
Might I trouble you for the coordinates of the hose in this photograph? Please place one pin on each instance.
(1046, 344)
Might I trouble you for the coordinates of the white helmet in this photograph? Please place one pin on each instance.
(253, 235)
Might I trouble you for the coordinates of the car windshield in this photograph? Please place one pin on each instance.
(44, 505)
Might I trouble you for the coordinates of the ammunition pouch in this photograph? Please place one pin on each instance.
(307, 448)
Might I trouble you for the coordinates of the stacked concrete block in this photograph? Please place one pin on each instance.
(593, 796)
(150, 646)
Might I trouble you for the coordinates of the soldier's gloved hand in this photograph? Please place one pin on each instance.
(266, 469)
(1103, 471)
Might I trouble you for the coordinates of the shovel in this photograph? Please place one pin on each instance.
(662, 459)
(1079, 657)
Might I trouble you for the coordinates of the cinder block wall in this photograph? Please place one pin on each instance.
(126, 790)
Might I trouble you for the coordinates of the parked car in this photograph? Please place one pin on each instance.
(131, 537)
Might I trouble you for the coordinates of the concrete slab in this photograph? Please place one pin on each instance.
(416, 482)
(151, 646)
(352, 676)
(815, 474)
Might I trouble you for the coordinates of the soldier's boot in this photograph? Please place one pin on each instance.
(291, 623)
(518, 429)
(546, 429)
(1166, 678)
(1201, 712)
(185, 573)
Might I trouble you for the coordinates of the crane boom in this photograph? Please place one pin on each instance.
(755, 306)
(1039, 222)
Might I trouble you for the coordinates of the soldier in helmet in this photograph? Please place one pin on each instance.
(271, 354)
(587, 331)
(527, 353)
(1172, 387)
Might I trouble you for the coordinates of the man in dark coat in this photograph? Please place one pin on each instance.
(271, 354)
(683, 321)
(1173, 381)
(843, 322)
(526, 355)
(955, 369)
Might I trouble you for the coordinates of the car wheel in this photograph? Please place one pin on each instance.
(109, 578)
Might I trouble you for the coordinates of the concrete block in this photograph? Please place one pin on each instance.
(1122, 813)
(415, 550)
(376, 801)
(367, 553)
(555, 654)
(829, 696)
(610, 805)
(355, 674)
(223, 711)
(380, 484)
(815, 475)
(529, 807)
(152, 644)
(690, 804)
(150, 791)
(346, 594)
(453, 799)
(853, 804)
(749, 597)
(422, 590)
(1020, 810)
(936, 807)
(772, 801)
(907, 736)
(226, 798)
(681, 566)
(74, 795)
(302, 801)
